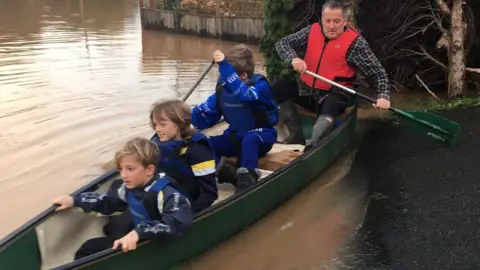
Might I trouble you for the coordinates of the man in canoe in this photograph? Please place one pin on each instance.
(246, 103)
(157, 208)
(336, 51)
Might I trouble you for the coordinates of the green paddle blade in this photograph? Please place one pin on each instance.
(433, 125)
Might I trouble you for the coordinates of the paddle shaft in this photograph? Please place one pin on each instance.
(198, 81)
(395, 110)
(54, 207)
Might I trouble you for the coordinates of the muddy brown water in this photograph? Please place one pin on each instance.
(306, 232)
(77, 78)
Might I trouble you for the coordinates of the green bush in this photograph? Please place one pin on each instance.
(435, 105)
(276, 25)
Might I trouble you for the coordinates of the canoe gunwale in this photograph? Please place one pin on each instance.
(34, 222)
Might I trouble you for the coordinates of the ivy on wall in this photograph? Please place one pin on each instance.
(283, 17)
(276, 25)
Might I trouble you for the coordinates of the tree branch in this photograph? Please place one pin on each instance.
(430, 57)
(476, 70)
(422, 30)
(445, 40)
(425, 54)
(426, 87)
(408, 25)
(438, 21)
(443, 6)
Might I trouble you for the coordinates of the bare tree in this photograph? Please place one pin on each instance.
(406, 42)
(352, 6)
(453, 40)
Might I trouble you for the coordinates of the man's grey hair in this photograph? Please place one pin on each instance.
(335, 4)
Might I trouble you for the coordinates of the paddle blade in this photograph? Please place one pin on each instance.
(434, 126)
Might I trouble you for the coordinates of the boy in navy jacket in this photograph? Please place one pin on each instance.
(157, 208)
(187, 155)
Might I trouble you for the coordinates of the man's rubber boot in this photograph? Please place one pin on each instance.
(226, 172)
(246, 179)
(289, 114)
(323, 125)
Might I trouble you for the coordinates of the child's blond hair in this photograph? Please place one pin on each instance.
(176, 111)
(241, 58)
(146, 152)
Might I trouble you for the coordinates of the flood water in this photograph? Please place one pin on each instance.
(77, 78)
(309, 231)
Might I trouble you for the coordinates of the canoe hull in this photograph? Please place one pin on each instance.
(213, 226)
(224, 222)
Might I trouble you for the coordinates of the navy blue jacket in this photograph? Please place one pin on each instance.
(173, 212)
(192, 163)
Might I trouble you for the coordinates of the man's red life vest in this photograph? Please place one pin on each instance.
(329, 59)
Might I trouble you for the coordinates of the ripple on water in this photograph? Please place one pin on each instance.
(73, 88)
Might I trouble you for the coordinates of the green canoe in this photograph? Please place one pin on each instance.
(50, 239)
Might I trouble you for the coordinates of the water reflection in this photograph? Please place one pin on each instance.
(304, 233)
(77, 78)
(183, 58)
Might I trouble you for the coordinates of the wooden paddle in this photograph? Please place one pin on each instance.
(111, 164)
(432, 125)
(198, 81)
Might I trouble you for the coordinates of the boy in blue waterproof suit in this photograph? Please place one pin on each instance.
(246, 103)
(157, 208)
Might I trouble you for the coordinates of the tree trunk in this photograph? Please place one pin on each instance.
(456, 52)
(352, 12)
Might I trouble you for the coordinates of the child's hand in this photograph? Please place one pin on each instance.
(64, 201)
(218, 56)
(128, 242)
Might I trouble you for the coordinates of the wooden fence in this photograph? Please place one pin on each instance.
(224, 26)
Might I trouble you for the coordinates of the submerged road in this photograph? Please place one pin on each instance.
(425, 198)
